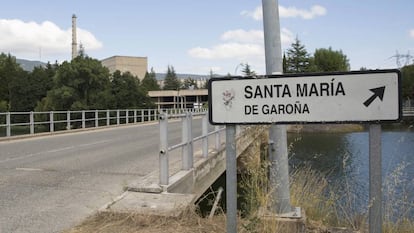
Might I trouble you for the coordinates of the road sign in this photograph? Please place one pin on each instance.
(358, 96)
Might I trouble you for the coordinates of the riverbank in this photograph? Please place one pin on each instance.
(325, 128)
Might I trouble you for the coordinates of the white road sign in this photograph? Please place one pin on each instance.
(369, 96)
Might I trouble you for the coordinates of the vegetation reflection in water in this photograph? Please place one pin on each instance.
(344, 158)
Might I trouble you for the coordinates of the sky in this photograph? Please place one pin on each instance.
(196, 37)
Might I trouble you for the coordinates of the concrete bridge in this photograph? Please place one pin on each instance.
(51, 181)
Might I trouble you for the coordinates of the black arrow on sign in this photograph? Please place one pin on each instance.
(378, 92)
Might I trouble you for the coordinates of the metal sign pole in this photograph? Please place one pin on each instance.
(279, 168)
(375, 179)
(231, 179)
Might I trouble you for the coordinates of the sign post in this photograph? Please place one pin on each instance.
(231, 179)
(350, 97)
(375, 179)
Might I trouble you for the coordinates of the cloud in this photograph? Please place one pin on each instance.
(25, 38)
(288, 12)
(227, 50)
(243, 36)
(239, 44)
(412, 33)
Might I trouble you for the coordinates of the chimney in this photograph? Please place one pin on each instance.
(74, 43)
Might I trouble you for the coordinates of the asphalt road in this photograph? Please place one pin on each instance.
(50, 183)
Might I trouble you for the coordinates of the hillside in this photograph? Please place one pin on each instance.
(29, 65)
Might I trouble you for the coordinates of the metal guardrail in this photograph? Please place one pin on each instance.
(187, 141)
(20, 123)
(408, 111)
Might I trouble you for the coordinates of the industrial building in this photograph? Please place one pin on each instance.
(137, 66)
(180, 98)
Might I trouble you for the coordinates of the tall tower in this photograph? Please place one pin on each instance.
(74, 41)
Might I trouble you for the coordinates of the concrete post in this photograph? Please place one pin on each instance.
(279, 175)
(135, 116)
(163, 152)
(118, 120)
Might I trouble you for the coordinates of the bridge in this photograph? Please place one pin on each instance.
(55, 170)
(53, 180)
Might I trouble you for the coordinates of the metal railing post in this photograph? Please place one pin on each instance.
(142, 115)
(163, 152)
(83, 119)
(135, 116)
(68, 120)
(190, 137)
(96, 118)
(108, 118)
(51, 122)
(126, 116)
(8, 124)
(204, 128)
(117, 117)
(218, 143)
(31, 123)
(186, 157)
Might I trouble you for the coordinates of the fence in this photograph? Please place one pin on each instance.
(19, 123)
(187, 141)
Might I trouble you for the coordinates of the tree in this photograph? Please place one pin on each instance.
(171, 81)
(247, 71)
(297, 59)
(407, 73)
(328, 60)
(13, 84)
(80, 84)
(149, 82)
(126, 91)
(189, 83)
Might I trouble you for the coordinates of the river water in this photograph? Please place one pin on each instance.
(344, 158)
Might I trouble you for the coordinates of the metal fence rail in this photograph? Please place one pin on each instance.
(20, 123)
(187, 141)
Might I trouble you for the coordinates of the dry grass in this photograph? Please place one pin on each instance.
(108, 222)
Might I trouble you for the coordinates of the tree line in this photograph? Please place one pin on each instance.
(84, 83)
(298, 60)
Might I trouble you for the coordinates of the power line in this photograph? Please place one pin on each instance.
(402, 58)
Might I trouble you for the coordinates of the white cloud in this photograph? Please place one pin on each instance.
(256, 14)
(412, 33)
(227, 50)
(289, 12)
(25, 38)
(243, 36)
(239, 44)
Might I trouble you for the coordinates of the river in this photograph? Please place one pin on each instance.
(344, 158)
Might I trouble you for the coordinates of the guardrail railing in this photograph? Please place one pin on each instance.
(408, 111)
(187, 141)
(20, 123)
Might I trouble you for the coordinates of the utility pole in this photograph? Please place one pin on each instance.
(278, 155)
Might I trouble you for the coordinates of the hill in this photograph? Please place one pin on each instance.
(29, 65)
